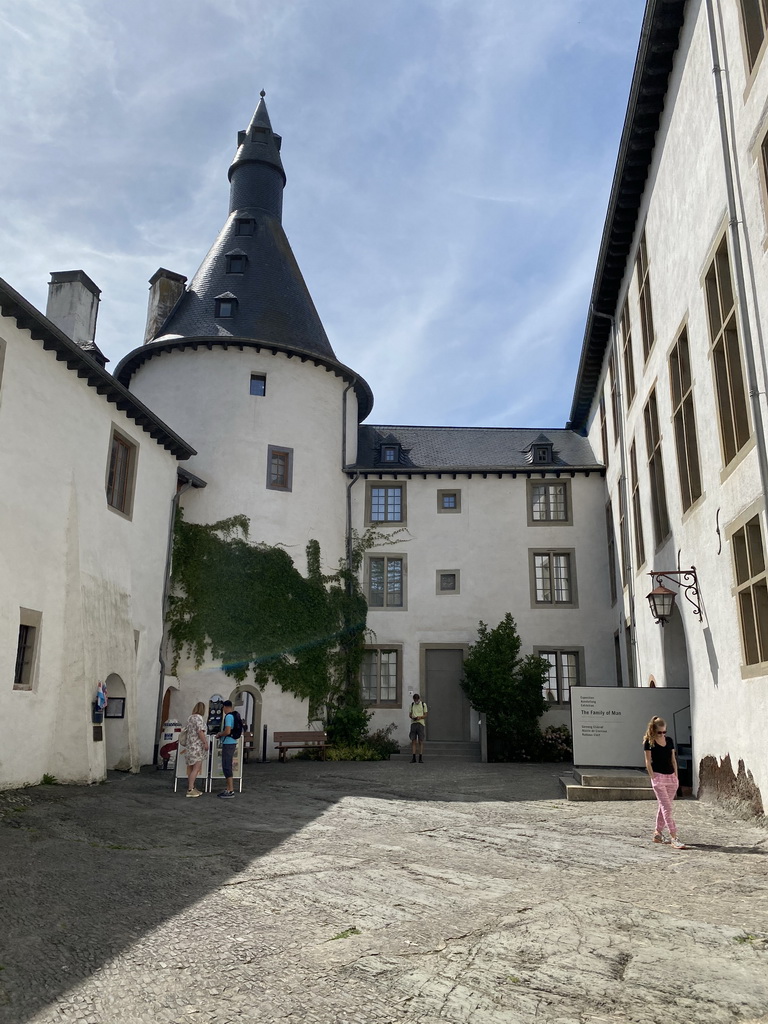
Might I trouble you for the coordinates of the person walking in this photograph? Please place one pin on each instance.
(228, 748)
(417, 714)
(661, 765)
(195, 747)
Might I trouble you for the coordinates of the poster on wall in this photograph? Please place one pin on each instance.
(608, 722)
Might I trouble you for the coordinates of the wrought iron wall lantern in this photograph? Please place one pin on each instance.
(662, 599)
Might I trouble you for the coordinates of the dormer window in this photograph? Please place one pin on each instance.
(245, 226)
(236, 264)
(226, 305)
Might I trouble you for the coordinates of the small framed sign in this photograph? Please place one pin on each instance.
(115, 708)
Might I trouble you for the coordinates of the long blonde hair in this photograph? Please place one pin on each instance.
(650, 732)
(199, 708)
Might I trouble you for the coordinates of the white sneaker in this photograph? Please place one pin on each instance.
(677, 844)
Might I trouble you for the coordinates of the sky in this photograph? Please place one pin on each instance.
(449, 164)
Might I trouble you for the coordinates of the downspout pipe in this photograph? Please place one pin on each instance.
(623, 495)
(738, 262)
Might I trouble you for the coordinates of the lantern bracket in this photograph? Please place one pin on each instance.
(688, 582)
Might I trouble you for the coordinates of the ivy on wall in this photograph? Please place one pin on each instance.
(246, 606)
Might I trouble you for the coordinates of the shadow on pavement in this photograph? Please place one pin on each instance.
(86, 871)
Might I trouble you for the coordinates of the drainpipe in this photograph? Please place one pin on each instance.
(166, 592)
(623, 496)
(738, 262)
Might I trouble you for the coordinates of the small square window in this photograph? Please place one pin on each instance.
(279, 468)
(542, 453)
(449, 501)
(389, 453)
(258, 384)
(225, 308)
(447, 581)
(245, 226)
(236, 264)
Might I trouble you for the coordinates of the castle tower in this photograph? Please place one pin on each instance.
(243, 369)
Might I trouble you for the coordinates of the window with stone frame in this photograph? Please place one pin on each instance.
(656, 470)
(448, 581)
(381, 676)
(563, 674)
(751, 590)
(449, 501)
(603, 429)
(732, 409)
(627, 354)
(121, 473)
(611, 538)
(385, 502)
(637, 514)
(548, 501)
(26, 649)
(553, 582)
(754, 22)
(644, 299)
(279, 468)
(615, 411)
(626, 561)
(684, 421)
(386, 581)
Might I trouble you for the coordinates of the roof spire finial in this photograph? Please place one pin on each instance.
(262, 94)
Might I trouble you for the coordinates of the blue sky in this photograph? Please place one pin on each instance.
(448, 161)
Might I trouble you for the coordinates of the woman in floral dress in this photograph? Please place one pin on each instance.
(195, 747)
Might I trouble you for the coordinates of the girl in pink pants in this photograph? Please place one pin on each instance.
(661, 765)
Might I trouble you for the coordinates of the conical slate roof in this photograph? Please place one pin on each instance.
(249, 285)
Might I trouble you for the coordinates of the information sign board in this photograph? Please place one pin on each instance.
(608, 722)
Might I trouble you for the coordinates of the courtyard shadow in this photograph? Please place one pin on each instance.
(87, 871)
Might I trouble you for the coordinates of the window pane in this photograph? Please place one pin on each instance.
(388, 675)
(749, 634)
(740, 558)
(369, 675)
(258, 384)
(569, 665)
(542, 575)
(376, 582)
(549, 685)
(119, 476)
(394, 495)
(562, 565)
(395, 582)
(447, 580)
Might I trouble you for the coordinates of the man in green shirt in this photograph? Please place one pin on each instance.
(417, 714)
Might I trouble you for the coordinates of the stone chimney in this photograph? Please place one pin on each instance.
(165, 290)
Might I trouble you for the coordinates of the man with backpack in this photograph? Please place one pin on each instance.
(229, 735)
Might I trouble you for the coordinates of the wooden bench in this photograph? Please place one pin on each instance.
(288, 740)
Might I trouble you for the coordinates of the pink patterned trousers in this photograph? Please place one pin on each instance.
(665, 788)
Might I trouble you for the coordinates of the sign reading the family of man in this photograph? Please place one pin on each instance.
(608, 722)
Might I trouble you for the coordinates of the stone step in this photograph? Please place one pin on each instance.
(628, 778)
(444, 751)
(574, 791)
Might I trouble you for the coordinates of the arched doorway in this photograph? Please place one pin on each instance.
(116, 726)
(247, 700)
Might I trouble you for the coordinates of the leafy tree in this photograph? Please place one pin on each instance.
(507, 690)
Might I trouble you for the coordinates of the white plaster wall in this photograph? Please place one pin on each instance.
(95, 576)
(205, 397)
(685, 215)
(489, 543)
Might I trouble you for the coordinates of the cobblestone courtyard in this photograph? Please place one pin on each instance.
(375, 893)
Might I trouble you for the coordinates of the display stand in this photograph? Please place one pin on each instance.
(180, 771)
(215, 764)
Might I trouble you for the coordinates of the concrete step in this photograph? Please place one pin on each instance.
(621, 778)
(573, 791)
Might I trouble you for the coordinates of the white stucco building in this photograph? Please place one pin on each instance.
(89, 476)
(672, 383)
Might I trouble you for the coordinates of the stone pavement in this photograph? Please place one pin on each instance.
(374, 894)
